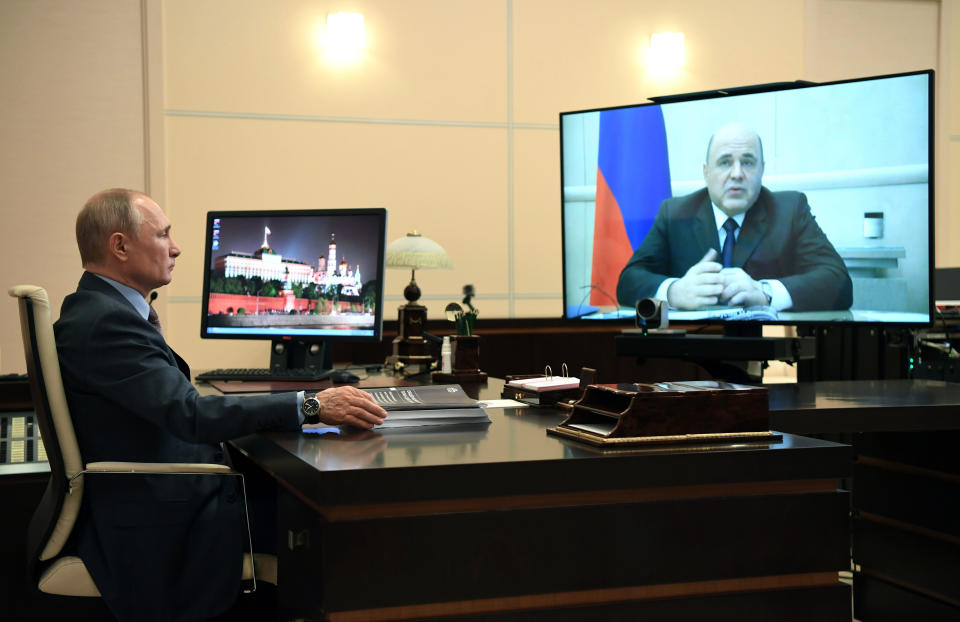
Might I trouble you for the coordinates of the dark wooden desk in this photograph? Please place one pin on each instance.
(503, 521)
(905, 486)
(865, 406)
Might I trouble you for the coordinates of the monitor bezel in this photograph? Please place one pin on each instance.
(379, 212)
(757, 89)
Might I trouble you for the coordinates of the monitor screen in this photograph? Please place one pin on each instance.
(304, 275)
(828, 189)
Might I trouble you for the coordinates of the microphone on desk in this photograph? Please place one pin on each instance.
(152, 316)
(596, 286)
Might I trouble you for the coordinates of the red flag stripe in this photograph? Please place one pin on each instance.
(611, 246)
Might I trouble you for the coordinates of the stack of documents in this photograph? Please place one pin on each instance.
(442, 404)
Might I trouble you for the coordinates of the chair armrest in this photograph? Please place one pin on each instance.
(189, 468)
(157, 467)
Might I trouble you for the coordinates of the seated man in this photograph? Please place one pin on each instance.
(773, 252)
(163, 547)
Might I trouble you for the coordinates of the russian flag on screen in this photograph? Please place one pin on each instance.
(633, 178)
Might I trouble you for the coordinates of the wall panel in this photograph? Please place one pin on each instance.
(71, 123)
(428, 59)
(446, 182)
(571, 55)
(536, 224)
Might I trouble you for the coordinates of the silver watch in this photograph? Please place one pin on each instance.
(767, 290)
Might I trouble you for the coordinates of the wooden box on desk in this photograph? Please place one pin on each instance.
(694, 411)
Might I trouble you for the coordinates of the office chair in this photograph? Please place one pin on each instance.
(57, 512)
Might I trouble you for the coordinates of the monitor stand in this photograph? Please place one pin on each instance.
(736, 356)
(743, 372)
(295, 354)
(744, 329)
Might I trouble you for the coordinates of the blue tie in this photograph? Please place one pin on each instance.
(730, 226)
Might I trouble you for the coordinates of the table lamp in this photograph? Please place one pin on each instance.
(413, 251)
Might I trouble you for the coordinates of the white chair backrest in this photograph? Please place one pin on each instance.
(48, 364)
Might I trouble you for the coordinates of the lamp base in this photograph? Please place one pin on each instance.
(411, 292)
(410, 346)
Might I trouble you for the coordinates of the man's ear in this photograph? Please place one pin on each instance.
(117, 246)
(704, 172)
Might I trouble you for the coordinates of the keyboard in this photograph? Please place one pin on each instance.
(264, 374)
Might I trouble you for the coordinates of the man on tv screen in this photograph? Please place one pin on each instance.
(736, 243)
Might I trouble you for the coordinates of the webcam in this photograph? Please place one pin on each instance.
(651, 313)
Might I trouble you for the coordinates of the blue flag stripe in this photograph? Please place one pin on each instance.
(633, 159)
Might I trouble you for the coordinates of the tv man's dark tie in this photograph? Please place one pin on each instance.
(154, 319)
(730, 226)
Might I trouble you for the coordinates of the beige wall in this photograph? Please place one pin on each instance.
(71, 123)
(450, 121)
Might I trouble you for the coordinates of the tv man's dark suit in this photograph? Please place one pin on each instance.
(779, 240)
(164, 547)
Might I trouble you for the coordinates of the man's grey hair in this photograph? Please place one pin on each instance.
(710, 144)
(105, 213)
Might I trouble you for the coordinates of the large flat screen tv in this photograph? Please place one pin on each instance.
(299, 278)
(829, 188)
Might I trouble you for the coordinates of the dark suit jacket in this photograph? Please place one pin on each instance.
(163, 547)
(780, 239)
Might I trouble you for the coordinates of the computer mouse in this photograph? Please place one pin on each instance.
(341, 376)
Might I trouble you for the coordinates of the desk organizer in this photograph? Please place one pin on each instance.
(668, 412)
(465, 361)
(546, 389)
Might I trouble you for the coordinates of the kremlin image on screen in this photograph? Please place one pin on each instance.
(299, 278)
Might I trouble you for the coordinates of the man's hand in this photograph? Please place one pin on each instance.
(349, 405)
(700, 286)
(740, 290)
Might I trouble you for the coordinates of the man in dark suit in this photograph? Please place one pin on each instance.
(162, 547)
(736, 243)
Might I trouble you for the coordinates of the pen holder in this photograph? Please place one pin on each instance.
(465, 361)
(465, 353)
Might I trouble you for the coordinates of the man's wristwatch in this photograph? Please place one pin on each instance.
(767, 290)
(311, 408)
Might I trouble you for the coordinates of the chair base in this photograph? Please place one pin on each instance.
(266, 567)
(68, 576)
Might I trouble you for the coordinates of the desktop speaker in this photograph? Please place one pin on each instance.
(651, 313)
(286, 354)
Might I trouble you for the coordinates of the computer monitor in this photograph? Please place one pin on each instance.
(849, 163)
(297, 278)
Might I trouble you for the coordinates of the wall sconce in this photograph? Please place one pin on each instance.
(665, 55)
(345, 37)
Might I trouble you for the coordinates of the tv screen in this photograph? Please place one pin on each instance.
(308, 275)
(828, 190)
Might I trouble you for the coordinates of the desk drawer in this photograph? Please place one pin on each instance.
(620, 551)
